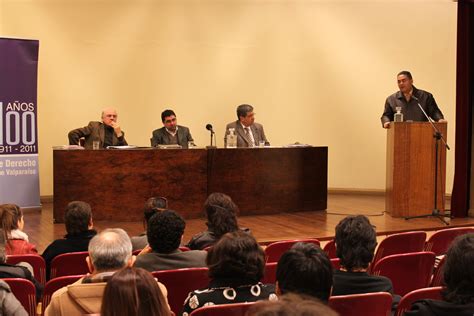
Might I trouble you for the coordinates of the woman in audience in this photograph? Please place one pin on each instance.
(221, 214)
(458, 293)
(12, 223)
(9, 305)
(133, 292)
(21, 270)
(236, 263)
(152, 206)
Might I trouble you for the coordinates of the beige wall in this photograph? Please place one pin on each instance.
(317, 72)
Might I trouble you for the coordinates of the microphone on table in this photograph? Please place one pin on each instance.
(209, 128)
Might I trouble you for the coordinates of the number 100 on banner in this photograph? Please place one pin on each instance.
(17, 128)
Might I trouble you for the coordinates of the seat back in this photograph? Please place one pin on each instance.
(368, 304)
(274, 250)
(36, 261)
(55, 284)
(336, 263)
(408, 272)
(237, 309)
(400, 243)
(330, 249)
(25, 292)
(269, 275)
(180, 282)
(407, 300)
(438, 274)
(73, 263)
(440, 241)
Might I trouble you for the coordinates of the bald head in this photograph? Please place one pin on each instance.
(110, 250)
(109, 115)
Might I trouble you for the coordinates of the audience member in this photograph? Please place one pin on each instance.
(13, 224)
(109, 251)
(305, 269)
(458, 293)
(9, 305)
(221, 218)
(236, 263)
(133, 292)
(165, 232)
(107, 133)
(79, 228)
(22, 270)
(152, 206)
(355, 245)
(291, 305)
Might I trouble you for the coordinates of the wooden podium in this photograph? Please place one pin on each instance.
(411, 155)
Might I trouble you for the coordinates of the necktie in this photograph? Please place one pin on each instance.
(247, 136)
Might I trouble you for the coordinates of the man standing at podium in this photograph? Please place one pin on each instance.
(408, 99)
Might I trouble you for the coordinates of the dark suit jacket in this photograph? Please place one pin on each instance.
(257, 131)
(168, 261)
(94, 131)
(161, 137)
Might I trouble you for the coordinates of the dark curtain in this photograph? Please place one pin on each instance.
(464, 103)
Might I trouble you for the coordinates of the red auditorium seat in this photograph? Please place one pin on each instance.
(180, 282)
(36, 261)
(440, 241)
(400, 243)
(269, 275)
(336, 263)
(433, 293)
(438, 274)
(274, 250)
(73, 263)
(330, 249)
(55, 284)
(408, 272)
(368, 304)
(238, 309)
(25, 292)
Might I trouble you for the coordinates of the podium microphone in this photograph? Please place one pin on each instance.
(209, 128)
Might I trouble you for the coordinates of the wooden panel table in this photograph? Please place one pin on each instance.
(118, 182)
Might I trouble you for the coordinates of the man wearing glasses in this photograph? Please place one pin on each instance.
(249, 133)
(171, 133)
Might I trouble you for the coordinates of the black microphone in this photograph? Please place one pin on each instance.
(209, 128)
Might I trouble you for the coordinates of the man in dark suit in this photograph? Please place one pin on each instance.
(171, 133)
(407, 100)
(165, 231)
(249, 133)
(107, 132)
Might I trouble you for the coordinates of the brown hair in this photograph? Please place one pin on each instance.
(238, 256)
(10, 215)
(221, 214)
(133, 292)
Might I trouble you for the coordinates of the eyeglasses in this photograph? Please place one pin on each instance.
(170, 120)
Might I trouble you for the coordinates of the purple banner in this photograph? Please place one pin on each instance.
(19, 177)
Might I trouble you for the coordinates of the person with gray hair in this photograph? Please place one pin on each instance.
(249, 133)
(109, 251)
(107, 133)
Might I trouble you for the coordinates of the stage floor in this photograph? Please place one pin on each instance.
(41, 230)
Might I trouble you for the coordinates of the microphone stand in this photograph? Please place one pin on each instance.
(438, 136)
(212, 136)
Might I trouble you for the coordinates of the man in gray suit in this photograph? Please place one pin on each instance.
(165, 231)
(171, 133)
(249, 133)
(107, 132)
